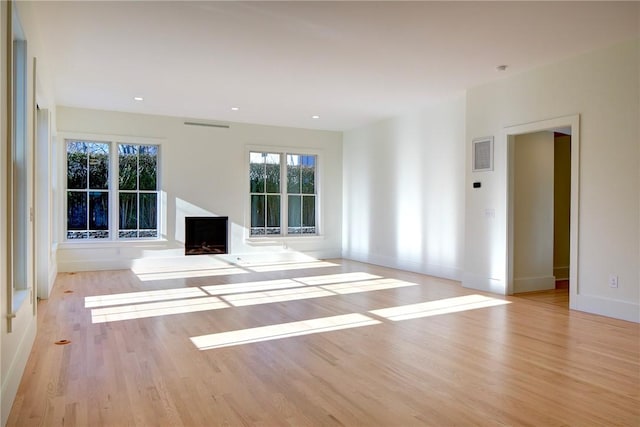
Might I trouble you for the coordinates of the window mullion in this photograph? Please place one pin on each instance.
(137, 191)
(87, 199)
(301, 200)
(284, 203)
(114, 196)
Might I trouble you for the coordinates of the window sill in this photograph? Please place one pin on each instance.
(96, 244)
(279, 240)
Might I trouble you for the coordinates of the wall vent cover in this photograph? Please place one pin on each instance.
(483, 154)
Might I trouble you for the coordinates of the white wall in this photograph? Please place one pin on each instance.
(602, 87)
(46, 268)
(561, 206)
(18, 333)
(204, 171)
(533, 212)
(404, 191)
(3, 195)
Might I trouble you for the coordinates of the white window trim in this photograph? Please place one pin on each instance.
(113, 240)
(20, 180)
(279, 239)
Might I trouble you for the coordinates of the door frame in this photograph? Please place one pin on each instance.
(509, 136)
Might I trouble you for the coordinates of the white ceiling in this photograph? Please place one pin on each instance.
(282, 62)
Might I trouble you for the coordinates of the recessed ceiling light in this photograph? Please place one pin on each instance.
(138, 98)
(235, 108)
(501, 67)
(315, 117)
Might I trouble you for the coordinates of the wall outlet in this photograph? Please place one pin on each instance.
(613, 281)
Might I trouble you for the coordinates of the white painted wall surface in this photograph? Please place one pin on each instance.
(3, 198)
(533, 212)
(602, 87)
(16, 345)
(45, 255)
(561, 206)
(404, 191)
(204, 171)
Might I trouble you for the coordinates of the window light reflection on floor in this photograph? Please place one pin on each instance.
(139, 311)
(283, 330)
(327, 279)
(185, 274)
(443, 306)
(267, 297)
(250, 286)
(289, 266)
(367, 286)
(142, 296)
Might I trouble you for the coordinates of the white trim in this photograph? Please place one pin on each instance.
(617, 309)
(439, 271)
(283, 150)
(561, 273)
(508, 137)
(113, 140)
(102, 137)
(18, 364)
(95, 265)
(100, 244)
(532, 284)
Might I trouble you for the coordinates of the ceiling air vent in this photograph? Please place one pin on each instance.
(483, 154)
(208, 124)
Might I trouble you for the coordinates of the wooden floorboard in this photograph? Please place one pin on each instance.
(465, 358)
(559, 297)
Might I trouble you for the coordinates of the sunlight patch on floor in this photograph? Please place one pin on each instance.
(367, 286)
(327, 279)
(221, 271)
(134, 305)
(283, 330)
(289, 266)
(142, 296)
(139, 311)
(434, 308)
(267, 297)
(250, 286)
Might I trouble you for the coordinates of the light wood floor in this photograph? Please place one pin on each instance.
(462, 360)
(558, 297)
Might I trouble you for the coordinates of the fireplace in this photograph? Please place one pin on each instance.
(205, 235)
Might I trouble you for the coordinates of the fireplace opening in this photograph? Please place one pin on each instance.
(205, 235)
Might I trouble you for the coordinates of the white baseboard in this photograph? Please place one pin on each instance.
(561, 273)
(19, 349)
(124, 263)
(407, 265)
(94, 265)
(622, 310)
(532, 284)
(53, 273)
(483, 283)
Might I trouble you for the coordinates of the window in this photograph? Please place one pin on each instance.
(20, 167)
(272, 203)
(91, 202)
(301, 194)
(138, 195)
(87, 190)
(264, 175)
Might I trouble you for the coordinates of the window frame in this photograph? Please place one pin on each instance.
(113, 190)
(20, 94)
(283, 151)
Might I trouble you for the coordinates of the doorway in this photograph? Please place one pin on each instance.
(543, 208)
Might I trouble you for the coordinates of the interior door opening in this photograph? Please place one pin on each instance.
(542, 203)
